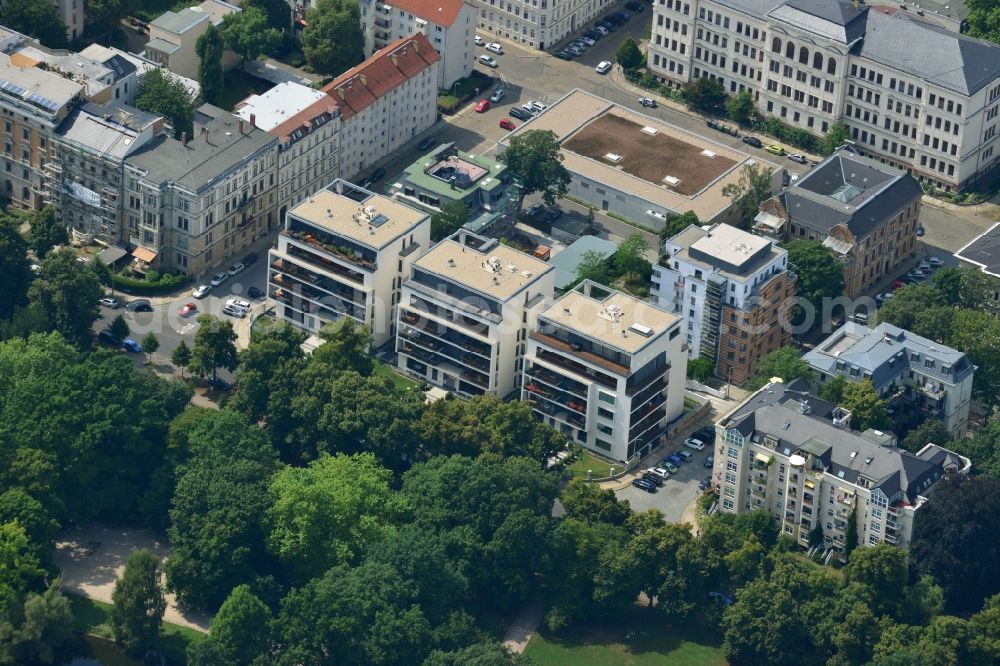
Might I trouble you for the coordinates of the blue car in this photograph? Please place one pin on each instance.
(674, 460)
(132, 346)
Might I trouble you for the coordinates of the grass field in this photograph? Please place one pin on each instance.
(587, 461)
(92, 617)
(654, 644)
(401, 382)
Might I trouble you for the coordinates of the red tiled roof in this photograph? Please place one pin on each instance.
(359, 87)
(303, 119)
(442, 12)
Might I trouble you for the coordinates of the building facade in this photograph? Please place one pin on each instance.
(539, 24)
(344, 252)
(790, 454)
(449, 25)
(385, 101)
(606, 369)
(191, 204)
(904, 368)
(812, 63)
(735, 292)
(865, 212)
(467, 308)
(305, 123)
(71, 13)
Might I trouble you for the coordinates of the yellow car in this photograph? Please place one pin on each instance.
(774, 149)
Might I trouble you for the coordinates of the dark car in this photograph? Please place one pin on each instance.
(635, 6)
(615, 19)
(753, 141)
(706, 434)
(593, 34)
(608, 25)
(652, 478)
(108, 339)
(139, 305)
(250, 259)
(643, 484)
(220, 384)
(254, 292)
(624, 16)
(519, 113)
(426, 143)
(705, 483)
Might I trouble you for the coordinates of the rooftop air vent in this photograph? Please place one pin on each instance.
(613, 157)
(651, 131)
(644, 331)
(672, 180)
(708, 153)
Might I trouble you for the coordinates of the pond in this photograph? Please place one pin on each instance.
(96, 651)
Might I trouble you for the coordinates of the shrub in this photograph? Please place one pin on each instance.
(159, 284)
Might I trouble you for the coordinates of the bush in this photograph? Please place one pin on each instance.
(155, 284)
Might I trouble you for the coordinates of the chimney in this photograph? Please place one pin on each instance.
(184, 138)
(253, 120)
(395, 59)
(204, 133)
(340, 92)
(364, 80)
(415, 43)
(241, 126)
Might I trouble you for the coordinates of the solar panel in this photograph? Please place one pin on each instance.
(43, 102)
(379, 220)
(12, 88)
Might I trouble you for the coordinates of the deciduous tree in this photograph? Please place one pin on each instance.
(163, 94)
(628, 54)
(214, 347)
(590, 503)
(452, 216)
(931, 431)
(907, 303)
(37, 632)
(834, 138)
(181, 356)
(866, 407)
(248, 34)
(15, 272)
(534, 158)
(210, 48)
(138, 602)
(977, 333)
(705, 95)
(346, 346)
(833, 389)
(68, 292)
(630, 257)
(593, 266)
(332, 42)
(108, 13)
(678, 222)
(47, 231)
(240, 628)
(785, 363)
(752, 189)
(119, 328)
(150, 343)
(38, 19)
(740, 108)
(820, 276)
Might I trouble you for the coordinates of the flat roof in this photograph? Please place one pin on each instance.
(280, 103)
(355, 220)
(471, 268)
(609, 320)
(567, 260)
(483, 171)
(730, 245)
(182, 21)
(36, 86)
(752, 257)
(578, 108)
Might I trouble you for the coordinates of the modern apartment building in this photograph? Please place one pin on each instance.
(865, 212)
(193, 203)
(385, 101)
(538, 23)
(33, 102)
(733, 289)
(344, 252)
(304, 120)
(449, 25)
(912, 93)
(606, 369)
(466, 310)
(905, 369)
(795, 456)
(91, 146)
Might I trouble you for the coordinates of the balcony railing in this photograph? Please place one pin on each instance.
(557, 412)
(325, 264)
(456, 338)
(544, 376)
(577, 368)
(341, 253)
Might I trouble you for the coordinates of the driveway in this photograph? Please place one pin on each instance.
(677, 493)
(91, 559)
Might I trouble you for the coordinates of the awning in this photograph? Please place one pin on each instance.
(769, 221)
(838, 246)
(144, 254)
(111, 254)
(809, 484)
(761, 458)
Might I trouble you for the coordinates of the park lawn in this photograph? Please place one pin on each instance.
(92, 617)
(401, 382)
(655, 644)
(587, 461)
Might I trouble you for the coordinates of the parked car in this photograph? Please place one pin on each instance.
(897, 284)
(506, 124)
(925, 266)
(254, 292)
(753, 141)
(623, 16)
(219, 384)
(480, 41)
(108, 339)
(236, 269)
(131, 345)
(607, 25)
(563, 55)
(188, 310)
(589, 41)
(652, 478)
(201, 291)
(495, 47)
(774, 149)
(234, 311)
(483, 106)
(377, 175)
(537, 106)
(239, 302)
(643, 484)
(250, 259)
(798, 157)
(917, 273)
(670, 467)
(614, 19)
(706, 434)
(648, 102)
(635, 6)
(519, 113)
(674, 460)
(705, 483)
(684, 455)
(575, 50)
(935, 262)
(111, 302)
(693, 443)
(709, 461)
(498, 95)
(218, 279)
(601, 29)
(920, 232)
(488, 61)
(603, 67)
(427, 142)
(139, 305)
(659, 471)
(594, 34)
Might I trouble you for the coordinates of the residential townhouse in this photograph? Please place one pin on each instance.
(466, 310)
(918, 378)
(127, 81)
(193, 203)
(344, 252)
(385, 101)
(733, 289)
(812, 63)
(173, 37)
(865, 212)
(606, 369)
(449, 25)
(306, 123)
(538, 23)
(793, 455)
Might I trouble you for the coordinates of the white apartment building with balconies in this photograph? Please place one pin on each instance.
(606, 369)
(812, 63)
(466, 310)
(793, 455)
(538, 23)
(344, 252)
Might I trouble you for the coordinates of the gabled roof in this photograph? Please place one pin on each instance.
(442, 12)
(359, 87)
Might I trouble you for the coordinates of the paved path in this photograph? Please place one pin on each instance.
(524, 625)
(92, 558)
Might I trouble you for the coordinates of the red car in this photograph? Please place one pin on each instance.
(897, 284)
(507, 124)
(482, 106)
(188, 310)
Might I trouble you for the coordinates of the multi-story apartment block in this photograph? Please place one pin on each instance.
(905, 369)
(344, 252)
(733, 289)
(190, 204)
(304, 121)
(538, 23)
(606, 369)
(466, 311)
(790, 454)
(865, 212)
(812, 63)
(983, 253)
(449, 25)
(385, 101)
(33, 102)
(91, 145)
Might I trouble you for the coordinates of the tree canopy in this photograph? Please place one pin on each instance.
(535, 160)
(867, 409)
(40, 20)
(163, 94)
(628, 54)
(752, 189)
(834, 138)
(47, 231)
(820, 275)
(332, 42)
(248, 33)
(68, 292)
(452, 216)
(741, 108)
(705, 95)
(108, 13)
(210, 48)
(785, 363)
(678, 222)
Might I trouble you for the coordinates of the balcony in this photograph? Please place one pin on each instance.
(576, 368)
(557, 412)
(460, 341)
(643, 393)
(758, 491)
(325, 264)
(340, 252)
(446, 351)
(653, 417)
(892, 537)
(589, 357)
(467, 323)
(539, 374)
(655, 400)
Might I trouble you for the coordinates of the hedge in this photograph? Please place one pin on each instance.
(164, 284)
